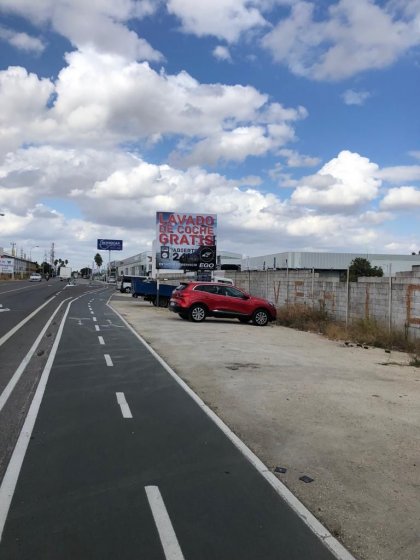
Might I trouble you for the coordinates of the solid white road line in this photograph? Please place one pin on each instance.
(8, 484)
(108, 360)
(101, 340)
(18, 373)
(333, 545)
(125, 409)
(167, 535)
(19, 325)
(97, 328)
(15, 290)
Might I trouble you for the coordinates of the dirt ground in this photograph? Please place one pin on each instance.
(348, 417)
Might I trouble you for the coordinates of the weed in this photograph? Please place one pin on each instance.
(303, 318)
(361, 331)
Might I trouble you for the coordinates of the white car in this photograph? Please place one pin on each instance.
(35, 277)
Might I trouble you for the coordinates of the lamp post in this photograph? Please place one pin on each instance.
(30, 251)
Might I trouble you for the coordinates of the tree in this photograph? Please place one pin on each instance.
(46, 268)
(362, 267)
(98, 260)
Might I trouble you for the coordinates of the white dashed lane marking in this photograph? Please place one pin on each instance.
(167, 535)
(108, 360)
(125, 409)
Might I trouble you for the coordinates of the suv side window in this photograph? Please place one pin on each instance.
(233, 292)
(208, 289)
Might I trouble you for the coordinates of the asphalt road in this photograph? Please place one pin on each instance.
(19, 298)
(116, 460)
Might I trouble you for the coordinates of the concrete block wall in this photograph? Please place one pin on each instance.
(367, 298)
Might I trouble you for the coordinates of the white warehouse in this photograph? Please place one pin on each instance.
(329, 263)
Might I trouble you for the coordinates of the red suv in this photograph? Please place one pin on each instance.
(198, 300)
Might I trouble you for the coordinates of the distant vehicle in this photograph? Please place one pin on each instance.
(124, 282)
(197, 300)
(223, 280)
(65, 273)
(111, 279)
(35, 277)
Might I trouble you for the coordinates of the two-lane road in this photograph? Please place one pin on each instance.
(117, 460)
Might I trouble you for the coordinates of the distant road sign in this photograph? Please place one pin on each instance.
(110, 244)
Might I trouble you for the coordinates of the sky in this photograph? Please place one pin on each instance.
(296, 122)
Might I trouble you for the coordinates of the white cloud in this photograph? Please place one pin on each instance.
(105, 97)
(402, 198)
(351, 97)
(344, 182)
(354, 37)
(415, 154)
(38, 172)
(272, 130)
(400, 173)
(232, 145)
(222, 53)
(101, 24)
(103, 100)
(117, 195)
(23, 100)
(22, 41)
(226, 19)
(294, 159)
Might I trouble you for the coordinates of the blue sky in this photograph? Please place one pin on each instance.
(296, 122)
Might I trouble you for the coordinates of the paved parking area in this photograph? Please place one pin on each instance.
(347, 417)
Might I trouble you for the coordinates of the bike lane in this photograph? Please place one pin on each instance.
(123, 463)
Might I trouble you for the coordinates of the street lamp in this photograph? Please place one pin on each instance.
(30, 251)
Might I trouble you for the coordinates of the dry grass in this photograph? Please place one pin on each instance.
(363, 331)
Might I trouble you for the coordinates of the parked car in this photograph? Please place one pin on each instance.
(124, 283)
(197, 300)
(35, 277)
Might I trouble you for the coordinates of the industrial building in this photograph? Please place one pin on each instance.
(329, 264)
(17, 267)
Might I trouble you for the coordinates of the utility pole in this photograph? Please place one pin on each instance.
(52, 255)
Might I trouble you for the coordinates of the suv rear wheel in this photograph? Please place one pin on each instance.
(260, 317)
(197, 313)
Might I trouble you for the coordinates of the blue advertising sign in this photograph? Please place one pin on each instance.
(110, 244)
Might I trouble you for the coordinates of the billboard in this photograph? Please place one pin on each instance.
(186, 241)
(6, 265)
(110, 244)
